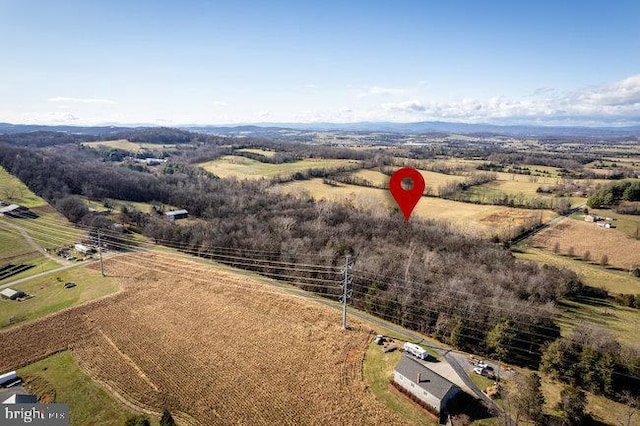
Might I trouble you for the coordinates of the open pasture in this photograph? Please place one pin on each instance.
(581, 237)
(591, 274)
(210, 345)
(258, 151)
(126, 145)
(482, 220)
(247, 168)
(13, 191)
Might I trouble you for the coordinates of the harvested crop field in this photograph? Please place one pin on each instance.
(621, 250)
(213, 346)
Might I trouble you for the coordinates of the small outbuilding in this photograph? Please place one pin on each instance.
(8, 378)
(21, 398)
(11, 294)
(81, 248)
(177, 214)
(426, 385)
(13, 210)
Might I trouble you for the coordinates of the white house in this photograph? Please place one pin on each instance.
(426, 385)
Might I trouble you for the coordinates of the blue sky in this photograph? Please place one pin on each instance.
(215, 62)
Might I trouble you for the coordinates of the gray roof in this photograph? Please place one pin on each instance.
(430, 381)
(175, 212)
(20, 398)
(10, 208)
(9, 292)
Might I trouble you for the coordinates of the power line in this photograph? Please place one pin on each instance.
(118, 259)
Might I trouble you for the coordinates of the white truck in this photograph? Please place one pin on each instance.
(415, 350)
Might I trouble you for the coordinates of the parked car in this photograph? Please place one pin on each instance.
(479, 371)
(482, 364)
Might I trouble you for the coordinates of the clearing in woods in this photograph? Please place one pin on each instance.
(210, 345)
(247, 168)
(262, 152)
(125, 145)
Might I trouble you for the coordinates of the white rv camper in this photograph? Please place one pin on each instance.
(416, 350)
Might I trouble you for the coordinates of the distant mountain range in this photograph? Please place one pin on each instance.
(265, 129)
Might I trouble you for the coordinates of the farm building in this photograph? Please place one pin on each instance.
(11, 294)
(177, 214)
(8, 378)
(21, 398)
(13, 210)
(426, 385)
(81, 248)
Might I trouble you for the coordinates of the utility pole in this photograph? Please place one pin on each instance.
(346, 293)
(100, 251)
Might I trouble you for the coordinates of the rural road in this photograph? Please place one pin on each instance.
(446, 354)
(454, 358)
(545, 226)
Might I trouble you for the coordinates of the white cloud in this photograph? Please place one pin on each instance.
(617, 103)
(382, 91)
(219, 103)
(65, 99)
(543, 91)
(50, 117)
(407, 106)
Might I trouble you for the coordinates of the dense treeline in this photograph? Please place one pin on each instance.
(422, 274)
(593, 360)
(555, 160)
(45, 138)
(613, 195)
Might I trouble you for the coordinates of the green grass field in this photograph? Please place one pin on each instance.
(51, 296)
(263, 152)
(59, 377)
(246, 168)
(542, 170)
(116, 205)
(593, 275)
(602, 409)
(15, 250)
(13, 244)
(13, 191)
(50, 229)
(627, 223)
(621, 321)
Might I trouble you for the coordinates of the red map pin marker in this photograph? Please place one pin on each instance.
(406, 199)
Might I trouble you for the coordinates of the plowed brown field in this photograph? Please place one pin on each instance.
(217, 347)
